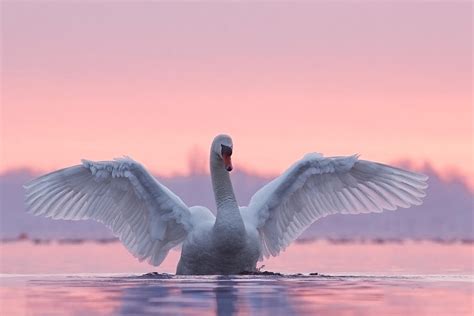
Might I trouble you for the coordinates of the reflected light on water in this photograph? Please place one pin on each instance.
(321, 256)
(219, 295)
(410, 278)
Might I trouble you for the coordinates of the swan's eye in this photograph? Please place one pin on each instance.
(226, 150)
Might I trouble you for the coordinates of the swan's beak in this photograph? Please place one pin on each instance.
(227, 162)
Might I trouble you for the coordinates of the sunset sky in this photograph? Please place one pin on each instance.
(157, 81)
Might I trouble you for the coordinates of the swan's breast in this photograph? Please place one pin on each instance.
(201, 215)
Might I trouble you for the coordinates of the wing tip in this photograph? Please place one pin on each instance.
(422, 176)
(86, 162)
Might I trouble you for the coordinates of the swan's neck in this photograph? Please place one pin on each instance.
(229, 223)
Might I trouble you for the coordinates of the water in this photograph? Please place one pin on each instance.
(355, 279)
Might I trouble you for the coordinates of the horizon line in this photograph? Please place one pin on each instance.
(449, 174)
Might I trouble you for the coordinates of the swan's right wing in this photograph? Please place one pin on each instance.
(147, 217)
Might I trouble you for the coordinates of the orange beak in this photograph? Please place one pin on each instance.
(227, 162)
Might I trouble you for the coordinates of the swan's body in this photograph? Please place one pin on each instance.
(150, 220)
(207, 251)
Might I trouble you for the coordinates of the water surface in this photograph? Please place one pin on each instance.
(354, 279)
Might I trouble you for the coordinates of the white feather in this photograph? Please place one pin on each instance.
(316, 186)
(145, 215)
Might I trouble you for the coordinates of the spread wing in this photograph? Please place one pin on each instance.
(316, 186)
(147, 217)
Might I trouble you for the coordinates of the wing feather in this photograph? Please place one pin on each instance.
(147, 217)
(316, 186)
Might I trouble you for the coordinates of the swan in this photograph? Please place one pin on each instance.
(149, 219)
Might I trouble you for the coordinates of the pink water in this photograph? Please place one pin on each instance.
(409, 278)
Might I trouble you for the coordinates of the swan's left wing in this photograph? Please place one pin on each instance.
(317, 186)
(147, 217)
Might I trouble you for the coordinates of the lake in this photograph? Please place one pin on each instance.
(362, 278)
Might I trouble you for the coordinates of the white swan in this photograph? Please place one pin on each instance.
(150, 220)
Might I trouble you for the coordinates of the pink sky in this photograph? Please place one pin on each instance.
(99, 80)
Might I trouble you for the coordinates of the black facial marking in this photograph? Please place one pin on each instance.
(226, 150)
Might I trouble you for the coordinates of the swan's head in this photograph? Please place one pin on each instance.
(222, 147)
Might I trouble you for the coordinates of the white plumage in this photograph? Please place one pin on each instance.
(316, 186)
(147, 217)
(150, 220)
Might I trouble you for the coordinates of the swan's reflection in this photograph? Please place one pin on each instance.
(205, 296)
(226, 296)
